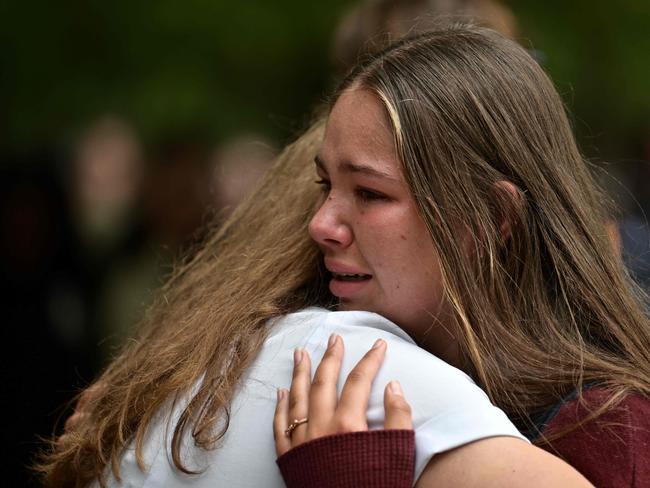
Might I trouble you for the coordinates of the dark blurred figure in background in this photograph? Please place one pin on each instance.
(175, 199)
(144, 215)
(237, 166)
(86, 236)
(67, 222)
(106, 181)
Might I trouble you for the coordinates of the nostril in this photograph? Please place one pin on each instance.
(328, 227)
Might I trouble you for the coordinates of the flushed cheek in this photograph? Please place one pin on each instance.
(418, 274)
(394, 271)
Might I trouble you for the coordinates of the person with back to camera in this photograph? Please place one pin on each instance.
(459, 230)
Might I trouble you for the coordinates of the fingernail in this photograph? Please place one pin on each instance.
(396, 388)
(279, 393)
(297, 356)
(378, 343)
(331, 341)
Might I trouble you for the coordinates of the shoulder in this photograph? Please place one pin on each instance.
(430, 384)
(359, 331)
(449, 409)
(610, 450)
(310, 328)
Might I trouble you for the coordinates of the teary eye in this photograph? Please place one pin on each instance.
(367, 195)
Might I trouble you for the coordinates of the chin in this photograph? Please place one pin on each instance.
(355, 306)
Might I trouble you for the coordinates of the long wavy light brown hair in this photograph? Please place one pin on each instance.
(551, 307)
(539, 313)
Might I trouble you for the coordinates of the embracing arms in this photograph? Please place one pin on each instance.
(496, 461)
(363, 457)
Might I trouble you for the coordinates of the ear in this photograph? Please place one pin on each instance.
(507, 198)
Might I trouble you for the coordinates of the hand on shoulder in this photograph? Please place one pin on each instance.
(322, 440)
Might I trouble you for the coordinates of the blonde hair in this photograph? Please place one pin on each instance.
(540, 313)
(551, 307)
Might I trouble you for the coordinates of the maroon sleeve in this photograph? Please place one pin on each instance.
(376, 458)
(611, 451)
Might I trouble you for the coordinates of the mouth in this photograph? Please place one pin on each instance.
(347, 283)
(350, 276)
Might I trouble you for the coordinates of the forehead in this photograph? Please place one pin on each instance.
(358, 131)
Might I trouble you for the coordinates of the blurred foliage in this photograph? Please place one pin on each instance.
(201, 67)
(598, 54)
(207, 69)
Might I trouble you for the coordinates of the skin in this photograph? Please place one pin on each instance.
(368, 223)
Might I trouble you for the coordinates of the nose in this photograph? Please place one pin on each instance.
(329, 227)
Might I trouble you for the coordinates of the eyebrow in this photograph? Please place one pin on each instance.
(348, 167)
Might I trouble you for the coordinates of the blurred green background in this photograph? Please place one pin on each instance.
(214, 68)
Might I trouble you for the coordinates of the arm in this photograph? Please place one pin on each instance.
(499, 462)
(476, 464)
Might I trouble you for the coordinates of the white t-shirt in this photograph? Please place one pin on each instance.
(449, 410)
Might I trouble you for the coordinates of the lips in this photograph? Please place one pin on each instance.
(347, 281)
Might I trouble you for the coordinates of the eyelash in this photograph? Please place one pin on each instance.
(325, 185)
(369, 195)
(363, 193)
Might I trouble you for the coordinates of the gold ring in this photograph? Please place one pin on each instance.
(293, 425)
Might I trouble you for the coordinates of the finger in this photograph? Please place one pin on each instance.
(73, 421)
(397, 411)
(83, 406)
(323, 396)
(299, 394)
(89, 395)
(281, 422)
(62, 439)
(351, 412)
